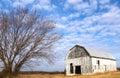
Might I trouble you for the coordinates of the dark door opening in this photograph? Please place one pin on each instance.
(77, 69)
(71, 68)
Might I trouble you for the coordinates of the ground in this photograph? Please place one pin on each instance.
(98, 75)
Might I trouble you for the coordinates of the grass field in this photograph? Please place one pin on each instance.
(99, 75)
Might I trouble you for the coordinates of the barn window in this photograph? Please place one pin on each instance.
(71, 68)
(98, 63)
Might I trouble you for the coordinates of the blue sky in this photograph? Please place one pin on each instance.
(90, 23)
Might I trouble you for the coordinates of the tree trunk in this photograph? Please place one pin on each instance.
(7, 72)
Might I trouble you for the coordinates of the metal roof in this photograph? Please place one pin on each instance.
(99, 54)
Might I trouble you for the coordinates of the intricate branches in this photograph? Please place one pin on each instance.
(24, 35)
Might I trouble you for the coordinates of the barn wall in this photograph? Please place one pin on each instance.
(84, 62)
(105, 65)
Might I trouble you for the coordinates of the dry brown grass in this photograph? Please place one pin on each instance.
(99, 75)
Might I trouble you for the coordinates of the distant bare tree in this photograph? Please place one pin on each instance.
(24, 35)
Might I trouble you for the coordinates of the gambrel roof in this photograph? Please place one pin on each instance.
(95, 53)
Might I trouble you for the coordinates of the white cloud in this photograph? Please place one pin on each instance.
(17, 4)
(44, 5)
(60, 26)
(9, 1)
(22, 3)
(111, 17)
(104, 1)
(76, 4)
(81, 6)
(36, 4)
(74, 1)
(93, 5)
(71, 16)
(117, 41)
(87, 7)
(25, 2)
(64, 18)
(74, 15)
(45, 2)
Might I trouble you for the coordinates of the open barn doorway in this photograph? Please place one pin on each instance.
(77, 69)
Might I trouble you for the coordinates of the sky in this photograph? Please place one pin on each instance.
(89, 23)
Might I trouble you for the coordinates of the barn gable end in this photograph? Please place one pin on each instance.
(77, 51)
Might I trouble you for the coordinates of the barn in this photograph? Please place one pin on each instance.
(84, 61)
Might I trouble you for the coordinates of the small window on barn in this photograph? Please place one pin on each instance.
(71, 68)
(98, 63)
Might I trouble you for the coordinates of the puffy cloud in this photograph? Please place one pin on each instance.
(104, 1)
(111, 18)
(44, 5)
(25, 2)
(22, 3)
(70, 17)
(34, 4)
(87, 7)
(63, 18)
(74, 1)
(17, 4)
(60, 26)
(76, 4)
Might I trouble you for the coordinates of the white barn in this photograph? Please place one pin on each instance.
(81, 60)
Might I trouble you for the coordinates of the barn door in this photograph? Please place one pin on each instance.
(77, 69)
(71, 68)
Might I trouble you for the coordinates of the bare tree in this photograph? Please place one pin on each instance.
(24, 35)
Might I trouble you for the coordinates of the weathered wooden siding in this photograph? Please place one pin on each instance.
(77, 52)
(79, 57)
(84, 62)
(106, 65)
